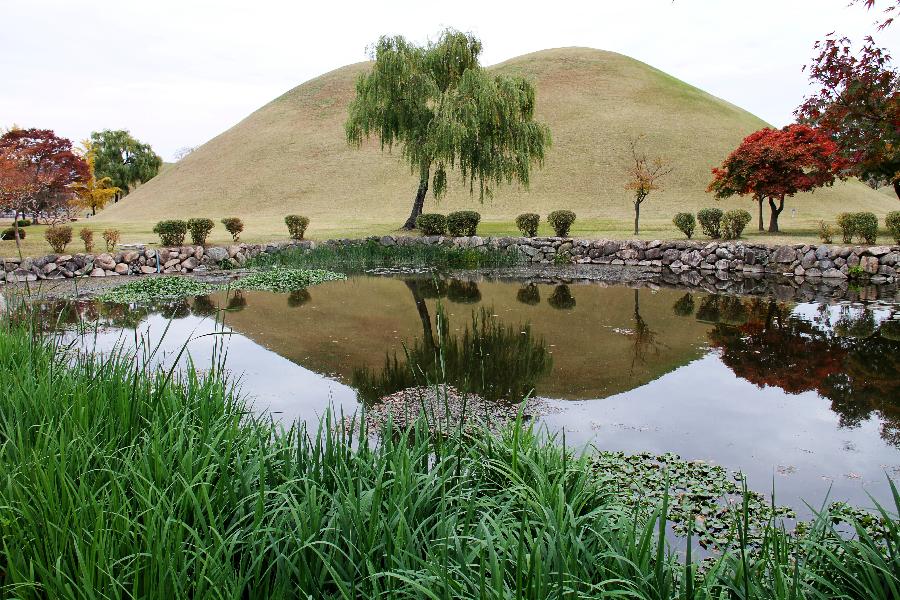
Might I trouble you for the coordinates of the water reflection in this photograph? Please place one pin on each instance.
(562, 298)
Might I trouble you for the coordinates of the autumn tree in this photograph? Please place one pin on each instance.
(644, 176)
(93, 193)
(126, 161)
(857, 104)
(447, 112)
(37, 172)
(772, 164)
(888, 13)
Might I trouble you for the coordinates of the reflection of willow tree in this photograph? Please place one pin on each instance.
(487, 358)
(643, 339)
(850, 364)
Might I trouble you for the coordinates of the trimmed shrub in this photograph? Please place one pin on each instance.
(296, 225)
(710, 222)
(10, 234)
(432, 224)
(561, 221)
(733, 223)
(528, 224)
(848, 227)
(234, 226)
(200, 229)
(865, 225)
(171, 232)
(826, 232)
(58, 236)
(892, 222)
(24, 222)
(111, 237)
(686, 223)
(87, 236)
(463, 222)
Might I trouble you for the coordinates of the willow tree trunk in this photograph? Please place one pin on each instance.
(897, 187)
(419, 202)
(424, 315)
(759, 202)
(775, 212)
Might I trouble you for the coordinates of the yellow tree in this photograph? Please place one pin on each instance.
(93, 193)
(643, 177)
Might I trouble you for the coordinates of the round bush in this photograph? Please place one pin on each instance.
(686, 223)
(733, 223)
(10, 234)
(24, 222)
(432, 224)
(528, 224)
(561, 221)
(58, 236)
(865, 225)
(710, 222)
(200, 229)
(848, 227)
(111, 237)
(171, 232)
(463, 223)
(826, 232)
(892, 221)
(87, 236)
(234, 226)
(296, 225)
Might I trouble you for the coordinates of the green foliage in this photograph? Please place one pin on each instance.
(87, 236)
(561, 221)
(826, 232)
(848, 226)
(686, 223)
(10, 234)
(857, 272)
(111, 237)
(234, 226)
(865, 226)
(296, 226)
(171, 232)
(154, 289)
(892, 222)
(200, 229)
(710, 222)
(684, 306)
(528, 224)
(733, 223)
(122, 158)
(285, 280)
(463, 222)
(357, 258)
(432, 224)
(58, 236)
(562, 298)
(24, 222)
(529, 294)
(447, 112)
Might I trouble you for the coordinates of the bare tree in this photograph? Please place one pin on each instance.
(644, 176)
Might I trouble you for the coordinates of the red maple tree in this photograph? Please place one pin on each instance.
(888, 12)
(772, 164)
(37, 170)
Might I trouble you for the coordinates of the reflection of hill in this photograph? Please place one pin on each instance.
(350, 325)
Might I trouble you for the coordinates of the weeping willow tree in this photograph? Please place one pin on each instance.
(446, 112)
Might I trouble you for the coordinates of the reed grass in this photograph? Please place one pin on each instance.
(122, 481)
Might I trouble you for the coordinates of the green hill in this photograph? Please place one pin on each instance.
(290, 156)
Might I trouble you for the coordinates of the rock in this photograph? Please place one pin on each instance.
(878, 250)
(722, 265)
(20, 275)
(146, 270)
(693, 259)
(217, 253)
(852, 260)
(823, 252)
(63, 258)
(191, 263)
(387, 240)
(808, 260)
(833, 274)
(98, 272)
(233, 250)
(869, 264)
(890, 259)
(784, 254)
(49, 268)
(130, 256)
(813, 272)
(171, 263)
(121, 269)
(105, 261)
(800, 271)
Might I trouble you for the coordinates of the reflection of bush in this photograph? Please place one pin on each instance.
(862, 326)
(237, 302)
(298, 298)
(428, 288)
(203, 306)
(562, 298)
(529, 295)
(717, 308)
(890, 330)
(684, 306)
(463, 292)
(488, 358)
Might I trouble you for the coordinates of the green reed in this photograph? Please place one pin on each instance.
(118, 480)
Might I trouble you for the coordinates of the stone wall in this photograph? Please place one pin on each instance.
(880, 264)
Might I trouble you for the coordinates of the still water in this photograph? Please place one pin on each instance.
(804, 397)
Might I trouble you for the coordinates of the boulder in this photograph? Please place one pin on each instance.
(191, 263)
(217, 253)
(878, 250)
(833, 274)
(784, 254)
(121, 269)
(869, 264)
(387, 240)
(105, 261)
(98, 272)
(20, 275)
(49, 268)
(147, 270)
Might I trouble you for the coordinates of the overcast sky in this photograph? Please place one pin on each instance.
(176, 73)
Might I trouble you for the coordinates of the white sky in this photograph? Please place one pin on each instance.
(176, 73)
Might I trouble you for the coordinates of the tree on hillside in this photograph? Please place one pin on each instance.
(644, 176)
(125, 160)
(447, 112)
(37, 171)
(858, 105)
(93, 193)
(772, 164)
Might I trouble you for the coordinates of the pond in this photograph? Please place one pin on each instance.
(802, 396)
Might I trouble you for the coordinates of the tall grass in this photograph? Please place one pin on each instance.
(121, 482)
(355, 258)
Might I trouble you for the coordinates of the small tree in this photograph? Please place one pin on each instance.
(644, 176)
(234, 226)
(447, 112)
(772, 164)
(93, 193)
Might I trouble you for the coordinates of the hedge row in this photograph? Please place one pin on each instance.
(714, 223)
